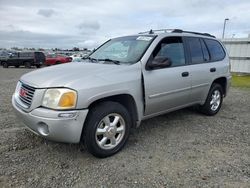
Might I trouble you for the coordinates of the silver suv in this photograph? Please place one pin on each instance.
(126, 80)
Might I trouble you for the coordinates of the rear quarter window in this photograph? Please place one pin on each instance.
(215, 49)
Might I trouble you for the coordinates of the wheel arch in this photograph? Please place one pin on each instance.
(2, 63)
(223, 82)
(124, 99)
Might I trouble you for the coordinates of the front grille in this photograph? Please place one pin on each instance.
(26, 94)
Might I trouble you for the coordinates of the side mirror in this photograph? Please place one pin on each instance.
(159, 62)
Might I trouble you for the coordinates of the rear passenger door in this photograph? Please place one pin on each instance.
(167, 88)
(203, 68)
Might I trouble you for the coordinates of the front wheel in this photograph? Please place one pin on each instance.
(5, 65)
(107, 129)
(214, 101)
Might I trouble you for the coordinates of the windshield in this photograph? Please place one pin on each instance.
(124, 49)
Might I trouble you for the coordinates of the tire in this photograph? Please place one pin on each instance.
(17, 66)
(5, 64)
(108, 140)
(214, 101)
(38, 66)
(27, 64)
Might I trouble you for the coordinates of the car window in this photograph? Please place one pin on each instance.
(39, 55)
(195, 50)
(14, 55)
(215, 49)
(51, 56)
(171, 48)
(126, 50)
(118, 50)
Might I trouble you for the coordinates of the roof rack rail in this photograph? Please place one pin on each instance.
(151, 31)
(175, 31)
(191, 32)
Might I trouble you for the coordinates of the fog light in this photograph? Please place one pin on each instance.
(43, 129)
(67, 115)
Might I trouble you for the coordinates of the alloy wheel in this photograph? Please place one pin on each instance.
(110, 131)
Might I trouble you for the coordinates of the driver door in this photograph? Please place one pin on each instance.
(167, 88)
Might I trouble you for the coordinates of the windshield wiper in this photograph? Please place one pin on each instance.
(110, 60)
(107, 59)
(90, 58)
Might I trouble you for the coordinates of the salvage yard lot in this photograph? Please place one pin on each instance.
(180, 149)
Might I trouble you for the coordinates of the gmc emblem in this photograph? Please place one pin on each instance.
(23, 92)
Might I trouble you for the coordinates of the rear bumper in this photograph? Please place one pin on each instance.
(51, 125)
(229, 78)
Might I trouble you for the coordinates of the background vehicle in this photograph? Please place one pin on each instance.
(3, 56)
(26, 59)
(79, 57)
(55, 59)
(126, 80)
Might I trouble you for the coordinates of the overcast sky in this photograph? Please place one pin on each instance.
(81, 23)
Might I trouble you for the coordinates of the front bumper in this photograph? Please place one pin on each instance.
(53, 124)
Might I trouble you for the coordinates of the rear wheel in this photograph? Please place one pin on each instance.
(17, 66)
(107, 129)
(38, 66)
(214, 100)
(27, 64)
(5, 64)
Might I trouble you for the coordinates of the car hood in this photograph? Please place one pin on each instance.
(73, 75)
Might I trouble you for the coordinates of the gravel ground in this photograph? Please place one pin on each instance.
(180, 149)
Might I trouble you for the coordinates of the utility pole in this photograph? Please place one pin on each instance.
(224, 27)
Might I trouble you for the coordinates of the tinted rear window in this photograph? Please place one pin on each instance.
(195, 50)
(39, 56)
(216, 51)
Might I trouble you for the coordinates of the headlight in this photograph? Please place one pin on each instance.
(60, 98)
(18, 87)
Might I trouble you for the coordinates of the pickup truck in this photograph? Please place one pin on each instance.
(26, 59)
(123, 82)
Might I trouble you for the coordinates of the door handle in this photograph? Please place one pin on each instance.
(184, 74)
(213, 69)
